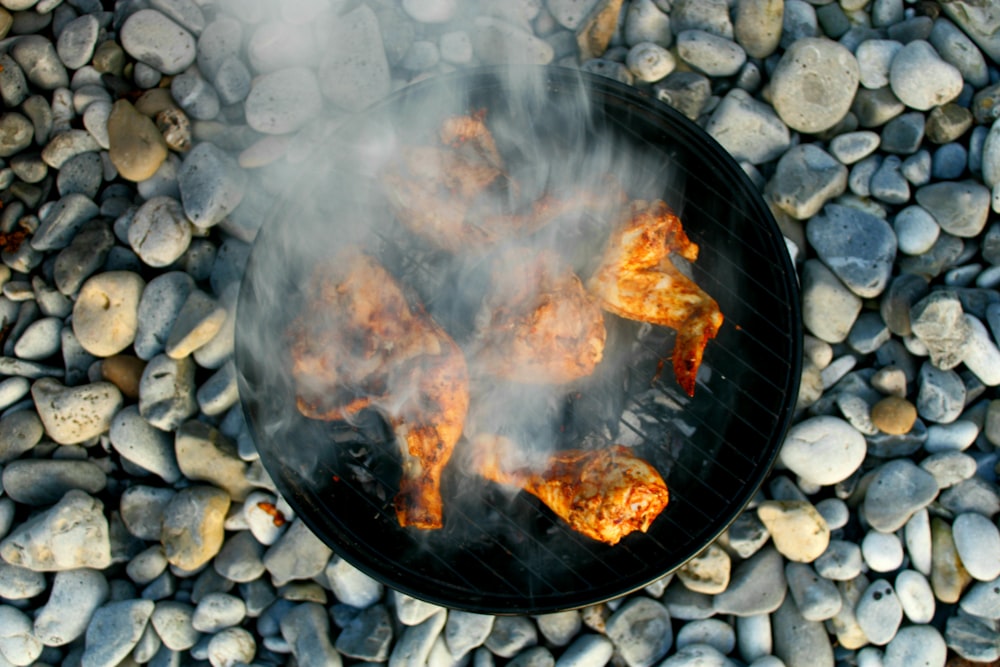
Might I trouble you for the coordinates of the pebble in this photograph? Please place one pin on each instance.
(757, 586)
(211, 185)
(798, 642)
(981, 356)
(18, 583)
(147, 565)
(841, 561)
(941, 396)
(883, 552)
(813, 84)
(903, 133)
(857, 246)
(172, 621)
(192, 526)
(898, 489)
(977, 542)
(916, 644)
(921, 79)
(283, 101)
(757, 26)
(42, 482)
(167, 392)
(709, 53)
(217, 611)
(749, 130)
(850, 147)
(44, 544)
(708, 572)
(829, 307)
(982, 599)
(915, 596)
(415, 642)
(797, 529)
(354, 72)
(650, 62)
(142, 509)
(959, 207)
(587, 650)
(646, 22)
(558, 628)
(806, 177)
(297, 554)
(40, 340)
(267, 528)
(231, 647)
(240, 558)
(105, 316)
(159, 232)
(19, 432)
(874, 58)
(81, 174)
(465, 631)
(823, 450)
(950, 438)
(816, 598)
(937, 320)
(152, 38)
(640, 631)
(62, 221)
(72, 415)
(114, 631)
(949, 467)
(947, 123)
(879, 612)
(148, 447)
(40, 62)
(509, 635)
(368, 636)
(204, 454)
(888, 184)
(18, 646)
(198, 321)
(76, 43)
(916, 230)
(948, 575)
(972, 639)
(136, 147)
(161, 301)
(75, 596)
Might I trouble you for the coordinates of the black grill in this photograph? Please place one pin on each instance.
(506, 553)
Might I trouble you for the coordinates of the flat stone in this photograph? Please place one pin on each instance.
(368, 636)
(114, 631)
(709, 53)
(850, 147)
(959, 207)
(829, 307)
(75, 596)
(159, 306)
(159, 232)
(941, 396)
(77, 40)
(898, 489)
(757, 586)
(748, 129)
(62, 222)
(43, 482)
(921, 79)
(71, 534)
(799, 642)
(211, 185)
(823, 450)
(587, 650)
(977, 542)
(857, 246)
(73, 415)
(916, 230)
(640, 631)
(198, 321)
(19, 583)
(559, 627)
(154, 39)
(192, 529)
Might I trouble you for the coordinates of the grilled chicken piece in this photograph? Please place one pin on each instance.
(604, 494)
(360, 343)
(537, 324)
(637, 280)
(457, 195)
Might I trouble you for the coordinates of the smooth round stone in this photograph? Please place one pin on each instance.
(816, 598)
(77, 40)
(231, 646)
(588, 650)
(105, 316)
(806, 177)
(167, 392)
(916, 645)
(757, 26)
(947, 123)
(850, 147)
(646, 22)
(711, 632)
(857, 246)
(797, 529)
(198, 321)
(904, 133)
(879, 612)
(650, 62)
(982, 599)
(40, 340)
(753, 636)
(172, 621)
(823, 450)
(798, 641)
(147, 565)
(217, 611)
(708, 572)
(709, 53)
(949, 162)
(74, 597)
(917, 167)
(748, 129)
(829, 307)
(137, 149)
(71, 534)
(948, 575)
(38, 58)
(43, 482)
(956, 48)
(888, 184)
(938, 321)
(81, 174)
(941, 396)
(298, 554)
(834, 511)
(915, 596)
(972, 639)
(842, 561)
(977, 542)
(921, 79)
(960, 207)
(813, 84)
(435, 11)
(18, 645)
(981, 355)
(949, 467)
(558, 628)
(115, 630)
(141, 443)
(950, 438)
(73, 415)
(16, 133)
(897, 490)
(465, 631)
(267, 523)
(874, 58)
(192, 529)
(883, 552)
(19, 432)
(152, 38)
(159, 306)
(640, 631)
(916, 230)
(19, 583)
(211, 183)
(410, 610)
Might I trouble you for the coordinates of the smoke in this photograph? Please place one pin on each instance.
(554, 141)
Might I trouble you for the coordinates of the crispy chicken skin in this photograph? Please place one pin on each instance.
(604, 494)
(360, 343)
(637, 280)
(537, 323)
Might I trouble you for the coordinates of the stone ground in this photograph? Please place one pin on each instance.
(136, 142)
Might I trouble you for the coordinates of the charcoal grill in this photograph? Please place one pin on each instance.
(506, 553)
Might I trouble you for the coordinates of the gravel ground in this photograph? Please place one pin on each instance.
(136, 139)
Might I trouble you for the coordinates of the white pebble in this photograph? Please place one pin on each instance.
(882, 551)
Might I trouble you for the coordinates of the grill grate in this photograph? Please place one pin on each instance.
(503, 553)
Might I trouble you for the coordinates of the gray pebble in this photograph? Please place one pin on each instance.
(645, 22)
(806, 177)
(41, 65)
(220, 39)
(921, 79)
(185, 12)
(298, 554)
(916, 230)
(972, 495)
(75, 596)
(18, 645)
(19, 432)
(142, 508)
(708, 15)
(879, 612)
(798, 641)
(195, 95)
(216, 611)
(77, 40)
(62, 221)
(938, 321)
(415, 642)
(232, 81)
(883, 552)
(13, 85)
(757, 26)
(81, 174)
(159, 232)
(72, 415)
(712, 632)
(511, 634)
(903, 134)
(972, 639)
(16, 133)
(86, 253)
(40, 340)
(147, 565)
(816, 598)
(977, 542)
(859, 180)
(240, 558)
(757, 585)
(114, 631)
(558, 628)
(172, 621)
(354, 71)
(709, 53)
(158, 308)
(43, 544)
(211, 184)
(368, 636)
(941, 396)
(874, 57)
(355, 588)
(844, 235)
(19, 583)
(231, 646)
(949, 467)
(960, 207)
(850, 147)
(152, 38)
(650, 62)
(898, 489)
(842, 561)
(167, 392)
(587, 650)
(917, 167)
(148, 447)
(915, 644)
(827, 70)
(411, 610)
(888, 184)
(982, 599)
(915, 596)
(951, 438)
(748, 129)
(687, 605)
(640, 631)
(41, 482)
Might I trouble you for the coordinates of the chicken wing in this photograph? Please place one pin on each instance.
(637, 280)
(359, 343)
(604, 494)
(537, 323)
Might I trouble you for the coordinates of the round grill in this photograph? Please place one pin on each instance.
(506, 553)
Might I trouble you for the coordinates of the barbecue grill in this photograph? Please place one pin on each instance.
(503, 552)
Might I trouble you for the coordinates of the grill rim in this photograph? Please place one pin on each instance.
(729, 173)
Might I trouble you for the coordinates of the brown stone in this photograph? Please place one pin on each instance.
(137, 149)
(894, 415)
(124, 371)
(155, 100)
(194, 526)
(598, 28)
(109, 58)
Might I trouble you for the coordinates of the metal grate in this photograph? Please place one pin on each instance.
(500, 553)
